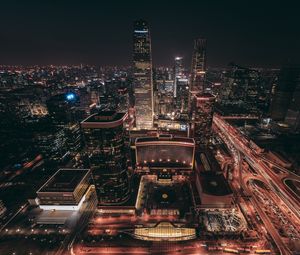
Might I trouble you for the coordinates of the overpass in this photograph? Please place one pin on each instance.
(253, 157)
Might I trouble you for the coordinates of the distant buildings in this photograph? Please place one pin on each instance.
(181, 87)
(105, 146)
(143, 84)
(64, 115)
(178, 73)
(242, 88)
(182, 95)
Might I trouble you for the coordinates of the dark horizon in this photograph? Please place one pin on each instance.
(249, 33)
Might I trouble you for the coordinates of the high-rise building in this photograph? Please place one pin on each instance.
(201, 105)
(105, 146)
(242, 88)
(198, 68)
(283, 99)
(293, 114)
(181, 87)
(62, 108)
(182, 97)
(178, 73)
(65, 116)
(143, 84)
(201, 119)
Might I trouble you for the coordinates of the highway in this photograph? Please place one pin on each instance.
(254, 157)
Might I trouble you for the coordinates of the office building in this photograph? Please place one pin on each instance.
(65, 190)
(178, 73)
(201, 104)
(143, 84)
(165, 151)
(62, 108)
(283, 98)
(104, 139)
(201, 118)
(198, 68)
(182, 95)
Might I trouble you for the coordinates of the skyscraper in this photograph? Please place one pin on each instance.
(292, 116)
(202, 116)
(143, 84)
(198, 68)
(181, 87)
(105, 146)
(201, 105)
(283, 99)
(178, 73)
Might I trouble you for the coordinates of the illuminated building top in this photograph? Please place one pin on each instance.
(165, 231)
(165, 152)
(105, 119)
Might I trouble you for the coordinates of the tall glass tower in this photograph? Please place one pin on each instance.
(143, 84)
(178, 73)
(198, 68)
(201, 104)
(105, 146)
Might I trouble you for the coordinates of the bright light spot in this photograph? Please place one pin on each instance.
(70, 96)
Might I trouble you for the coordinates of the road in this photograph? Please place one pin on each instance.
(254, 157)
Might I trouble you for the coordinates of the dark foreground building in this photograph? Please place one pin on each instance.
(105, 146)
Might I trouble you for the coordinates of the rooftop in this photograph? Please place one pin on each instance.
(105, 116)
(104, 119)
(64, 180)
(166, 139)
(214, 184)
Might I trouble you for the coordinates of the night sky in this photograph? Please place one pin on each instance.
(100, 32)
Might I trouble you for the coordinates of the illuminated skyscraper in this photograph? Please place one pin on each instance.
(181, 87)
(198, 67)
(105, 145)
(178, 73)
(143, 85)
(201, 119)
(201, 105)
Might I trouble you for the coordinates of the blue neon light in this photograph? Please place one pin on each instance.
(70, 96)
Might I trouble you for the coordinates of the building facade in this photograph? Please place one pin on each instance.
(201, 104)
(285, 102)
(201, 118)
(104, 139)
(178, 73)
(198, 68)
(143, 84)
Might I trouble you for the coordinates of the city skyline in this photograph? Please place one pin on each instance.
(145, 159)
(85, 33)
